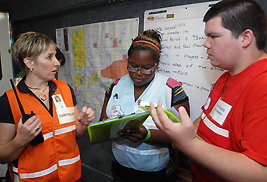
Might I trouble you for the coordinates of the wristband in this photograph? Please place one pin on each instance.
(148, 135)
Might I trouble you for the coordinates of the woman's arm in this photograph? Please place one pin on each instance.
(83, 119)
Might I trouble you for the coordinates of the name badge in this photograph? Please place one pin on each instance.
(58, 101)
(220, 111)
(66, 115)
(116, 110)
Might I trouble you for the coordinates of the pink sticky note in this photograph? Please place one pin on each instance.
(95, 45)
(115, 43)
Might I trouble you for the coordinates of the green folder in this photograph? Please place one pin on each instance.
(172, 113)
(108, 129)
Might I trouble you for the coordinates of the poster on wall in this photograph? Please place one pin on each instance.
(96, 54)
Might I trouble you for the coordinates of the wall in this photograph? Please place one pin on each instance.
(45, 16)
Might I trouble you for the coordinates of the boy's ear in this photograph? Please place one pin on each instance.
(246, 38)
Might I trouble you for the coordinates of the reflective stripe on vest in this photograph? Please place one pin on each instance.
(140, 152)
(59, 131)
(65, 130)
(47, 171)
(38, 174)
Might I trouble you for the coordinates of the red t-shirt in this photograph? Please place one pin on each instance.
(247, 132)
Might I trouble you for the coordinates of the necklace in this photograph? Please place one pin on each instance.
(42, 97)
(33, 88)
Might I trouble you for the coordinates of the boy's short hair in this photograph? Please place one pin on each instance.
(240, 15)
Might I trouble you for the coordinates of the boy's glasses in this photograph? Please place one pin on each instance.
(141, 69)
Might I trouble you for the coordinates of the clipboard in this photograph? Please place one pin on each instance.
(108, 129)
(172, 113)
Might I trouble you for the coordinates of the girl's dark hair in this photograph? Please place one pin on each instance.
(150, 36)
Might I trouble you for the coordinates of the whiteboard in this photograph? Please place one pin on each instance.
(183, 56)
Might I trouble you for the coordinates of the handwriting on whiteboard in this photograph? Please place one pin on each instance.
(183, 56)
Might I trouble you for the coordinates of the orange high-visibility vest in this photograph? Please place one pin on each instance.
(58, 157)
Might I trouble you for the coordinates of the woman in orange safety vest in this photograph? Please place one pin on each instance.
(43, 146)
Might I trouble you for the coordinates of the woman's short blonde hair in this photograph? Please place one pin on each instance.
(30, 45)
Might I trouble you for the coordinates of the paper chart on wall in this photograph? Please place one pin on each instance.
(183, 56)
(97, 54)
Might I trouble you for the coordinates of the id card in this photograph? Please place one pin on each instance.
(58, 101)
(116, 110)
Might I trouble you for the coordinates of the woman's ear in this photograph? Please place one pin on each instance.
(29, 63)
(246, 38)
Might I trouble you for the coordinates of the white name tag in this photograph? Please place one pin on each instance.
(220, 111)
(66, 115)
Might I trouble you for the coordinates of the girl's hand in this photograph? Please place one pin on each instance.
(134, 135)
